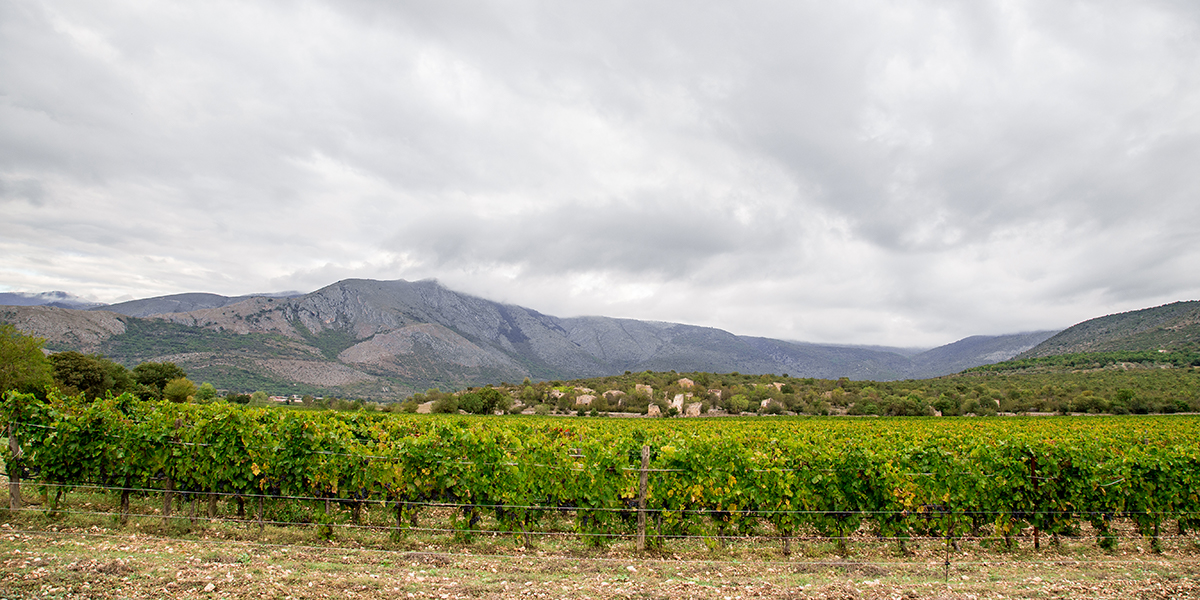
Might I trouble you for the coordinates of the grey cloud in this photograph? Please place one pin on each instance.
(993, 156)
(28, 190)
(671, 239)
(890, 172)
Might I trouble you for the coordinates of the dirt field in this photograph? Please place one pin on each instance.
(81, 551)
(45, 558)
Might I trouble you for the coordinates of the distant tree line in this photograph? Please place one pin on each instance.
(1123, 383)
(1094, 360)
(1118, 383)
(26, 368)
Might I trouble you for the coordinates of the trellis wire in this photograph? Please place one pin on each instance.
(931, 513)
(916, 538)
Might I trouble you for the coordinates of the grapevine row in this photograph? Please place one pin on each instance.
(725, 477)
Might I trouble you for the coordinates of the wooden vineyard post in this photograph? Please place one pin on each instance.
(168, 498)
(400, 520)
(169, 495)
(949, 523)
(1037, 540)
(642, 481)
(14, 469)
(124, 510)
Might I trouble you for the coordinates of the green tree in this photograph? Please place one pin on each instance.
(738, 404)
(529, 395)
(484, 402)
(206, 393)
(260, 398)
(179, 390)
(495, 399)
(23, 365)
(238, 398)
(89, 374)
(472, 402)
(445, 405)
(153, 377)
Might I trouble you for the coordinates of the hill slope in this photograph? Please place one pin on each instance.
(975, 351)
(177, 303)
(1171, 327)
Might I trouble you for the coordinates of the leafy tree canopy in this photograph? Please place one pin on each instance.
(155, 375)
(89, 374)
(484, 402)
(23, 365)
(179, 390)
(238, 398)
(206, 393)
(260, 398)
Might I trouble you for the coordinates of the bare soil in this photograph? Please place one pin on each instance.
(41, 557)
(80, 550)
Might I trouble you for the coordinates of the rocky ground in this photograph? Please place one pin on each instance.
(41, 559)
(81, 551)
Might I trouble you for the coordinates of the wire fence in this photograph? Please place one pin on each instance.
(382, 516)
(930, 512)
(375, 528)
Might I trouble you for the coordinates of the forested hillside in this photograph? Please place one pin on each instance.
(1171, 327)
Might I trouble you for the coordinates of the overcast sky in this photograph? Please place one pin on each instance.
(875, 172)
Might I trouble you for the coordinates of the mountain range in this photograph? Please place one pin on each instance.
(58, 299)
(386, 339)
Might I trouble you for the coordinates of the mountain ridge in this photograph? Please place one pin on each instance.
(381, 339)
(1169, 327)
(58, 299)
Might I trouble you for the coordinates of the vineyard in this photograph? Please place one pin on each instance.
(650, 480)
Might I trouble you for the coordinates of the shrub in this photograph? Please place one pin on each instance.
(446, 405)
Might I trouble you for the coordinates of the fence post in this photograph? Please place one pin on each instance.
(641, 535)
(124, 509)
(1037, 540)
(14, 469)
(168, 499)
(169, 494)
(948, 521)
